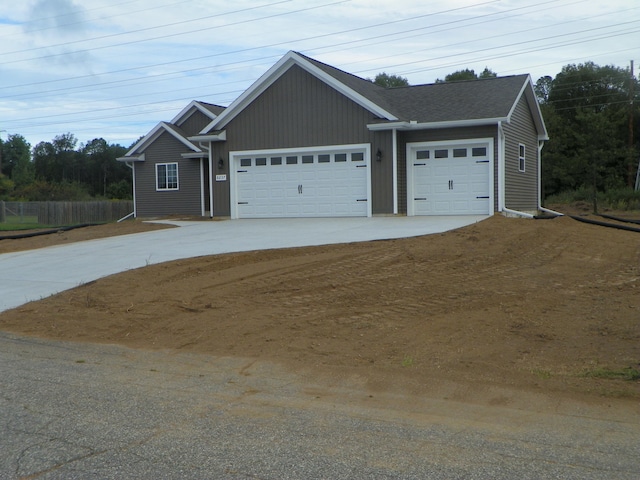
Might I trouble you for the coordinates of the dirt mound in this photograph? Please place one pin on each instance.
(550, 305)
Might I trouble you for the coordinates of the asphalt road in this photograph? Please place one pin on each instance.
(72, 410)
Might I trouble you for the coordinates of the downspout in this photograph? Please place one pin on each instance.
(502, 207)
(133, 177)
(210, 181)
(501, 168)
(540, 207)
(394, 162)
(202, 187)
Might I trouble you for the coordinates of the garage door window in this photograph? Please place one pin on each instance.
(276, 160)
(479, 151)
(442, 153)
(166, 176)
(307, 159)
(341, 157)
(292, 160)
(357, 157)
(459, 152)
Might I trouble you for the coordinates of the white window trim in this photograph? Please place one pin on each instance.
(167, 189)
(522, 159)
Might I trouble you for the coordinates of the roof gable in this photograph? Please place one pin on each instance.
(208, 109)
(352, 89)
(158, 130)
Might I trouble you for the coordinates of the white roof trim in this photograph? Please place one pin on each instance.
(194, 104)
(218, 137)
(413, 125)
(139, 158)
(158, 130)
(275, 72)
(528, 90)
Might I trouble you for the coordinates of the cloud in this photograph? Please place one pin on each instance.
(58, 18)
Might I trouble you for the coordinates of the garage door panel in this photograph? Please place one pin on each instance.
(319, 189)
(451, 183)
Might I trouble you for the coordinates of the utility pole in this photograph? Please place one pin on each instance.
(1, 151)
(631, 149)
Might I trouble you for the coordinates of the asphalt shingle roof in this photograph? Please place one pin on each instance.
(467, 100)
(437, 102)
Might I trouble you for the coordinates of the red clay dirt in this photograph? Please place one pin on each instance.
(539, 306)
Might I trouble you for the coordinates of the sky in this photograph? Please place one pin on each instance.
(113, 69)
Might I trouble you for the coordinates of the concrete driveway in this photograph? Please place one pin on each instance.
(36, 274)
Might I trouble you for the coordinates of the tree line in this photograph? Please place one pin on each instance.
(590, 111)
(62, 170)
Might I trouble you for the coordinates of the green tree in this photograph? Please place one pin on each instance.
(15, 149)
(390, 81)
(585, 108)
(467, 74)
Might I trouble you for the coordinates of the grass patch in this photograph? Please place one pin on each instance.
(407, 361)
(545, 374)
(629, 374)
(6, 227)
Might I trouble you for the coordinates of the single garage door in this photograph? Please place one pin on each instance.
(321, 183)
(449, 179)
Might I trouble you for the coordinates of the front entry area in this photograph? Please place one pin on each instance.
(312, 182)
(452, 178)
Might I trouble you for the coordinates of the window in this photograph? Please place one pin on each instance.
(166, 176)
(521, 158)
(442, 153)
(324, 158)
(479, 151)
(276, 160)
(261, 162)
(422, 154)
(307, 158)
(292, 160)
(341, 157)
(357, 157)
(245, 162)
(459, 152)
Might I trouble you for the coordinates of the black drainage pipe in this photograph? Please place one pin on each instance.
(619, 219)
(46, 232)
(605, 224)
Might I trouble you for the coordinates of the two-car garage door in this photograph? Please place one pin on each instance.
(322, 182)
(449, 179)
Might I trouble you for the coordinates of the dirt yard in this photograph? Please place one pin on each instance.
(546, 306)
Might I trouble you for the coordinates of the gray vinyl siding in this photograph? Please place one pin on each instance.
(195, 123)
(521, 188)
(437, 135)
(298, 110)
(185, 200)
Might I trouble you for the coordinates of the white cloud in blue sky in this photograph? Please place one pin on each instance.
(115, 68)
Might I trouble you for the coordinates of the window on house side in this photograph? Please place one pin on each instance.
(166, 176)
(521, 158)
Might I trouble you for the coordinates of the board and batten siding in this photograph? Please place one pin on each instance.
(438, 135)
(521, 188)
(298, 111)
(184, 201)
(194, 123)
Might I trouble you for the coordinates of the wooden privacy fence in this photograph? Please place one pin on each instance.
(64, 213)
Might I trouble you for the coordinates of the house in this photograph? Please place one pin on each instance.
(309, 140)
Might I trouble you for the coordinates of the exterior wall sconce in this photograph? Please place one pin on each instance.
(220, 163)
(379, 155)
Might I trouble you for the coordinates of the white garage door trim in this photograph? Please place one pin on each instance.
(413, 148)
(235, 158)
